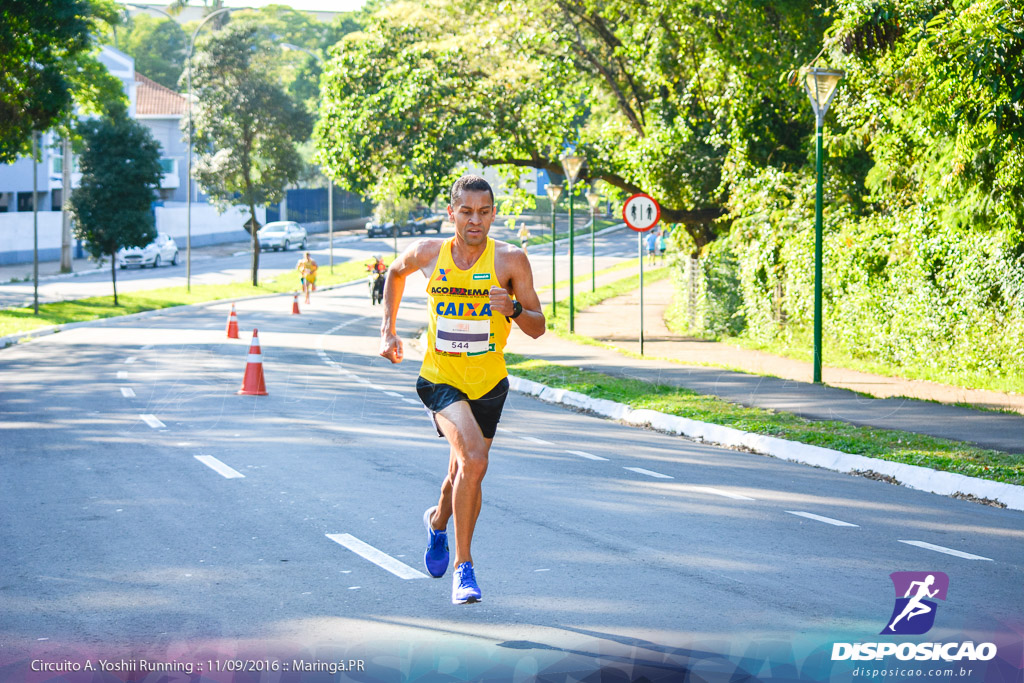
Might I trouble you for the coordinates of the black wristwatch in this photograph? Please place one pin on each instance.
(517, 308)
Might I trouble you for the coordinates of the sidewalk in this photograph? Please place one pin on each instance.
(906, 405)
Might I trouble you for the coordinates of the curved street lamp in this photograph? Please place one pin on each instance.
(554, 194)
(820, 84)
(572, 165)
(188, 192)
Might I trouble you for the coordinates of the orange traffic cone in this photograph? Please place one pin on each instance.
(232, 324)
(295, 304)
(252, 383)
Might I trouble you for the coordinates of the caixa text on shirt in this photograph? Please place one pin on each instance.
(462, 309)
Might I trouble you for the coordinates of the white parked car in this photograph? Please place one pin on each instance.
(161, 250)
(281, 235)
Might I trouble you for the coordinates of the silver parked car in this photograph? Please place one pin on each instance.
(281, 235)
(161, 250)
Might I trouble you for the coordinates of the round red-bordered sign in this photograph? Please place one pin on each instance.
(641, 212)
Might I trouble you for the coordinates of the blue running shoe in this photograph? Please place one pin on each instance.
(436, 557)
(464, 588)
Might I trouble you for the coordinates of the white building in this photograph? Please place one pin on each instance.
(161, 110)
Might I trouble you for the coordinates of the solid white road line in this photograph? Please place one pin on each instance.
(819, 518)
(948, 551)
(381, 559)
(127, 392)
(719, 492)
(122, 374)
(152, 421)
(641, 470)
(588, 456)
(219, 467)
(539, 442)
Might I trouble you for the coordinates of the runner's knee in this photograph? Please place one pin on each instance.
(473, 464)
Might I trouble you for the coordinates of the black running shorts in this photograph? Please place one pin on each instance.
(486, 409)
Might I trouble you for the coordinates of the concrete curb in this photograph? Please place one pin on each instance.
(912, 476)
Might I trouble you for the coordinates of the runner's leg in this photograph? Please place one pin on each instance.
(461, 493)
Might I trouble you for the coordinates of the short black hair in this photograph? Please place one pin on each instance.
(470, 182)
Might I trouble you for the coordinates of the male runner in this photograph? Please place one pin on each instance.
(477, 288)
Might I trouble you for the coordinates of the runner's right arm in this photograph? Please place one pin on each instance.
(417, 256)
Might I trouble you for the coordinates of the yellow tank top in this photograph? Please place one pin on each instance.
(465, 342)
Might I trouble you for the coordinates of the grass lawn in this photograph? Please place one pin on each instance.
(912, 449)
(904, 447)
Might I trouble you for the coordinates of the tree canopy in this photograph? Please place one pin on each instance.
(158, 46)
(47, 65)
(246, 126)
(659, 97)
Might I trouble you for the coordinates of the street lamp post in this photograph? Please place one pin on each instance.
(554, 193)
(35, 225)
(188, 190)
(330, 183)
(595, 200)
(572, 165)
(820, 84)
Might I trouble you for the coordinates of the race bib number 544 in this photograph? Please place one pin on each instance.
(462, 336)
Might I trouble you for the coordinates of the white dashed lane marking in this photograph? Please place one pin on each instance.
(152, 421)
(127, 392)
(122, 374)
(819, 518)
(588, 456)
(412, 401)
(649, 473)
(723, 494)
(393, 393)
(539, 442)
(129, 361)
(947, 551)
(379, 558)
(219, 467)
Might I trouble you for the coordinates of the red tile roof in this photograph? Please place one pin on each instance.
(151, 99)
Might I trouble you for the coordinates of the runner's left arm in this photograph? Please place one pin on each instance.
(531, 320)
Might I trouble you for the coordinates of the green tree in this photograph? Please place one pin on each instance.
(158, 46)
(663, 97)
(246, 126)
(47, 65)
(120, 173)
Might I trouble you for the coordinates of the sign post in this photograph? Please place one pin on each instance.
(641, 213)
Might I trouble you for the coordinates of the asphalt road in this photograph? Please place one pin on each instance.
(232, 263)
(600, 546)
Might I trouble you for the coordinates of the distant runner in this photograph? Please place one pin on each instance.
(477, 287)
(307, 272)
